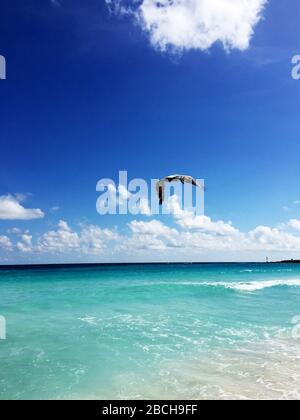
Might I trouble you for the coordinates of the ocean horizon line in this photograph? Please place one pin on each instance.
(78, 265)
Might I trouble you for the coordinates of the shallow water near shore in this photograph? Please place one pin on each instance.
(151, 331)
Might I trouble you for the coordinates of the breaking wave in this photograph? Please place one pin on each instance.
(251, 286)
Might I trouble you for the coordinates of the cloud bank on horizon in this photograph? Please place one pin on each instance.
(191, 237)
(194, 24)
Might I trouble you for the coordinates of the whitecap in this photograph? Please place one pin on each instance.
(253, 286)
(250, 286)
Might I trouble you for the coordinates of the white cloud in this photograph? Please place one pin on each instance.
(208, 236)
(12, 209)
(5, 242)
(274, 239)
(151, 235)
(200, 232)
(94, 239)
(205, 224)
(63, 226)
(90, 239)
(195, 24)
(156, 235)
(154, 227)
(54, 209)
(61, 240)
(141, 242)
(26, 238)
(187, 220)
(25, 244)
(15, 231)
(294, 224)
(189, 238)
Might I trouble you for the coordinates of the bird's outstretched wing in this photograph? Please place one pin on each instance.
(160, 186)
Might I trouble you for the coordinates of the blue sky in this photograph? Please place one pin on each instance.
(90, 92)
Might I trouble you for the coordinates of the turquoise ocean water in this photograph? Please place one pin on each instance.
(151, 331)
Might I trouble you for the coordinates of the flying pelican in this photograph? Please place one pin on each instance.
(160, 185)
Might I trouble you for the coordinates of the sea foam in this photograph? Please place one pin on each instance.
(250, 286)
(253, 286)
